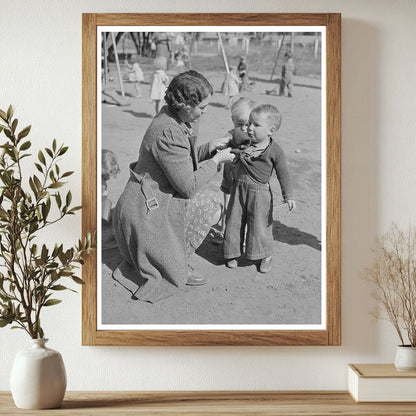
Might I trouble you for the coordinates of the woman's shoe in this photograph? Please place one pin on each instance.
(196, 280)
(266, 265)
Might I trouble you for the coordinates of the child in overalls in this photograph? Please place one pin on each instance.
(240, 112)
(251, 202)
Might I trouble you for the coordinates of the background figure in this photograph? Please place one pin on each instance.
(160, 82)
(152, 48)
(180, 65)
(242, 73)
(286, 79)
(163, 47)
(110, 169)
(288, 68)
(135, 74)
(230, 86)
(185, 57)
(110, 96)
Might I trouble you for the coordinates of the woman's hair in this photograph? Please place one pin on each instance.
(109, 165)
(187, 90)
(241, 109)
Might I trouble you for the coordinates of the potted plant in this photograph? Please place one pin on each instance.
(393, 277)
(31, 272)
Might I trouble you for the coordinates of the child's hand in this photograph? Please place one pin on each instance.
(291, 204)
(219, 144)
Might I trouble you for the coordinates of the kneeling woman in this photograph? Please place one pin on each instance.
(158, 220)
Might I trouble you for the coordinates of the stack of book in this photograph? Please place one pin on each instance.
(381, 383)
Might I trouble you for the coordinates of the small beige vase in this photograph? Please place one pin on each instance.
(38, 377)
(405, 358)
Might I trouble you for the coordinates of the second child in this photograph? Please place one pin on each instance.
(240, 112)
(251, 202)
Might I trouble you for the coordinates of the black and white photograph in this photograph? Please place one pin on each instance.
(211, 160)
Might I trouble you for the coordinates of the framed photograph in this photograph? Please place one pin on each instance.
(211, 172)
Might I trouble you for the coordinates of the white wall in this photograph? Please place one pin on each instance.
(40, 73)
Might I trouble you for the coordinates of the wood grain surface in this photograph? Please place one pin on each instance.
(332, 334)
(270, 403)
(381, 371)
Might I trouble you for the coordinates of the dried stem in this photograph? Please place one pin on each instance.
(393, 276)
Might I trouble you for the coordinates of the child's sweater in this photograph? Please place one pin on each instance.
(260, 167)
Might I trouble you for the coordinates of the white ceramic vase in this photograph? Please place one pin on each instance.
(38, 377)
(405, 358)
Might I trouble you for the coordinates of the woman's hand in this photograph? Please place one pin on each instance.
(224, 156)
(219, 144)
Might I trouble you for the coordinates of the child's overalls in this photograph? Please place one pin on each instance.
(251, 206)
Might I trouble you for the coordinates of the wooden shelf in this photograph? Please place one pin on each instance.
(221, 403)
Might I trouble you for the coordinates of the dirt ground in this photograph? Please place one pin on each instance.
(291, 293)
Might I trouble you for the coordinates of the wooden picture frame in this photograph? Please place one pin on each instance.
(331, 333)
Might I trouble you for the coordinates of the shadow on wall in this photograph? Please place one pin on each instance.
(361, 191)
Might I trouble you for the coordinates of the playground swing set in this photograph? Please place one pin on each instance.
(121, 101)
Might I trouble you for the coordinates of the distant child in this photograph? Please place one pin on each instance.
(286, 81)
(160, 82)
(136, 74)
(180, 64)
(240, 112)
(251, 203)
(230, 86)
(242, 73)
(109, 169)
(152, 48)
(185, 57)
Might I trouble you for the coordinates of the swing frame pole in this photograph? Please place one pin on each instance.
(224, 57)
(277, 56)
(118, 65)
